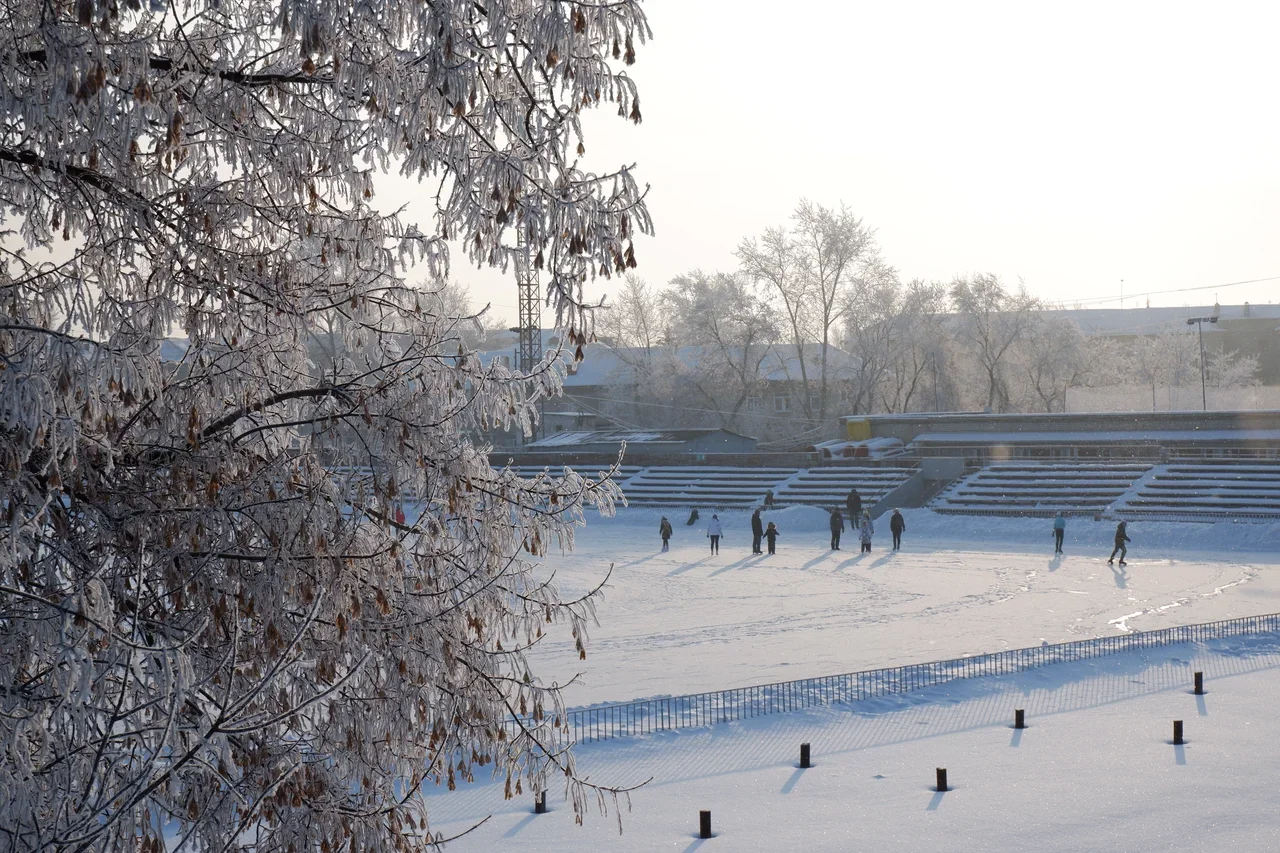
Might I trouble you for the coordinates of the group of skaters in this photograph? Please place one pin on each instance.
(865, 529)
(859, 520)
(1122, 537)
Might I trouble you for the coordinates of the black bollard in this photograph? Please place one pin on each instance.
(804, 755)
(1177, 732)
(704, 824)
(1019, 720)
(942, 779)
(1199, 683)
(540, 803)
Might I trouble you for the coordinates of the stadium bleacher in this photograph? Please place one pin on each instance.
(828, 487)
(624, 472)
(703, 486)
(1041, 489)
(1207, 490)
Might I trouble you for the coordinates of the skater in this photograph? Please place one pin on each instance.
(768, 497)
(771, 534)
(664, 530)
(853, 503)
(897, 524)
(865, 529)
(757, 532)
(837, 527)
(1121, 538)
(714, 532)
(693, 518)
(1059, 530)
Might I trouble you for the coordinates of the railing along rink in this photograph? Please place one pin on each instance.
(669, 713)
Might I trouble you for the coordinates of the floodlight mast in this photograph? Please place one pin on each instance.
(529, 309)
(1199, 323)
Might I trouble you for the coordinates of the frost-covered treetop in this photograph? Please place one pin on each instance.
(256, 596)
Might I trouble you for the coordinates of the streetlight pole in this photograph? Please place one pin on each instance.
(1199, 323)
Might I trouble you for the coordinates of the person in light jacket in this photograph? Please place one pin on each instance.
(714, 532)
(865, 529)
(664, 530)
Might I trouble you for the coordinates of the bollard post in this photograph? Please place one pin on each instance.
(942, 778)
(1199, 683)
(704, 824)
(804, 755)
(1019, 719)
(1177, 732)
(540, 803)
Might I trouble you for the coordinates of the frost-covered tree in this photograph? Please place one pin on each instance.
(989, 321)
(724, 331)
(1054, 356)
(810, 270)
(250, 596)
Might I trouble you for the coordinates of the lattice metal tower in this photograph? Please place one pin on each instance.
(529, 348)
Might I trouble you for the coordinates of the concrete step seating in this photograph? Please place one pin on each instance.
(1040, 488)
(828, 487)
(1223, 490)
(531, 472)
(703, 486)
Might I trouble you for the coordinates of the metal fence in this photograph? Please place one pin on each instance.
(703, 709)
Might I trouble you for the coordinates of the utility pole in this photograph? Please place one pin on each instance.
(934, 355)
(1199, 323)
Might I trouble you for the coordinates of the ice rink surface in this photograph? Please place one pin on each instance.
(1095, 771)
(686, 621)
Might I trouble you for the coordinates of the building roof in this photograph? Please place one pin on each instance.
(603, 364)
(1145, 321)
(648, 438)
(1168, 436)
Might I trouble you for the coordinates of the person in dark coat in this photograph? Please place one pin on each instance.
(1121, 538)
(837, 527)
(897, 524)
(693, 517)
(771, 533)
(757, 532)
(853, 503)
(664, 530)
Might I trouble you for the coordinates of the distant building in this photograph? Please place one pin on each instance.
(641, 443)
(1250, 330)
(691, 387)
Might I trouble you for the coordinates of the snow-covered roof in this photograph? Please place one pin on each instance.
(1143, 321)
(571, 438)
(1181, 436)
(603, 364)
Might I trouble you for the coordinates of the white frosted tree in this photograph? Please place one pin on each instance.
(250, 596)
(812, 270)
(724, 330)
(990, 320)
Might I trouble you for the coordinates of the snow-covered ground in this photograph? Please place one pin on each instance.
(1095, 770)
(686, 621)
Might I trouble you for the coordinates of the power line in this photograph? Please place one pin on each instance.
(1099, 299)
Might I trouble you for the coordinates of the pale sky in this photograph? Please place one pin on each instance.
(1073, 145)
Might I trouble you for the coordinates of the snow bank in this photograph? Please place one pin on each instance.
(1153, 538)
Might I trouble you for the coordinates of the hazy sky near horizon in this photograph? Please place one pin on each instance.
(1072, 145)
